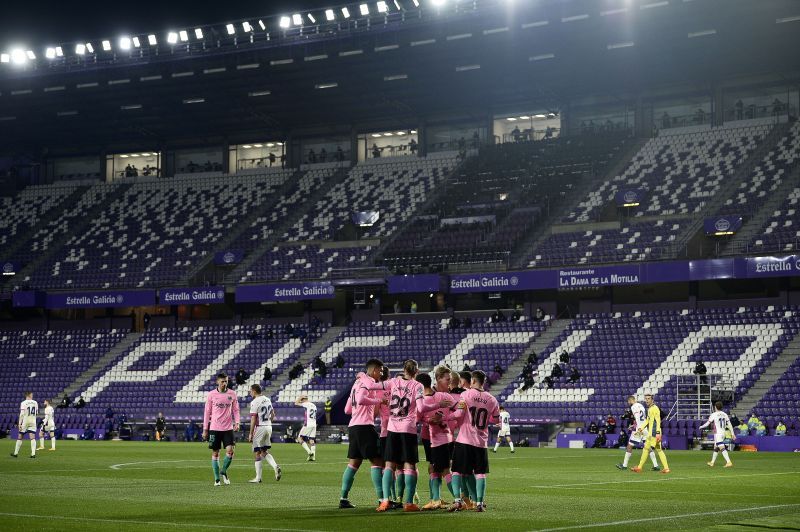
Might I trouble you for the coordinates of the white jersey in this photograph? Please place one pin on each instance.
(639, 416)
(262, 407)
(49, 423)
(505, 424)
(720, 421)
(311, 415)
(28, 410)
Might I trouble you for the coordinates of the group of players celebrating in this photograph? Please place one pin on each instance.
(455, 413)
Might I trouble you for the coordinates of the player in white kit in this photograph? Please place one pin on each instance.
(308, 434)
(639, 433)
(721, 423)
(261, 416)
(48, 426)
(505, 430)
(28, 410)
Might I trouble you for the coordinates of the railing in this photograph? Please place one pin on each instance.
(789, 245)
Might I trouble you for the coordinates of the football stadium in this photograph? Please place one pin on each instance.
(317, 266)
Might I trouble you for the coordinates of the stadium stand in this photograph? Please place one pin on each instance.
(782, 401)
(23, 211)
(782, 230)
(311, 261)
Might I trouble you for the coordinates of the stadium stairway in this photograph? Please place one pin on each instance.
(305, 359)
(755, 225)
(542, 230)
(87, 220)
(278, 234)
(90, 374)
(554, 329)
(774, 372)
(200, 272)
(730, 187)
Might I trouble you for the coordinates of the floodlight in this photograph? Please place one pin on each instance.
(364, 9)
(416, 3)
(401, 132)
(125, 43)
(261, 24)
(382, 7)
(297, 18)
(152, 40)
(198, 32)
(285, 22)
(172, 37)
(136, 42)
(50, 53)
(5, 58)
(329, 15)
(246, 26)
(89, 48)
(523, 117)
(59, 52)
(30, 55)
(511, 119)
(183, 35)
(18, 56)
(345, 12)
(107, 46)
(311, 18)
(230, 29)
(376, 135)
(258, 145)
(246, 146)
(397, 5)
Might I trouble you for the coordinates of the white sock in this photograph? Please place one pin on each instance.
(653, 458)
(259, 467)
(271, 461)
(714, 457)
(52, 442)
(41, 441)
(496, 445)
(627, 459)
(314, 448)
(17, 446)
(511, 444)
(307, 449)
(726, 457)
(33, 447)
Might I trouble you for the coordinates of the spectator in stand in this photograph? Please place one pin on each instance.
(476, 140)
(65, 402)
(739, 106)
(315, 324)
(453, 323)
(516, 134)
(412, 146)
(538, 314)
(296, 371)
(564, 357)
(532, 358)
(312, 157)
(108, 429)
(242, 376)
(622, 441)
(340, 361)
(601, 441)
(267, 374)
(376, 151)
(109, 413)
(753, 422)
(780, 429)
(268, 334)
(742, 429)
(80, 403)
(339, 154)
(665, 120)
(192, 431)
(466, 368)
(413, 307)
(592, 428)
(700, 370)
(557, 372)
(396, 307)
(548, 381)
(611, 424)
(761, 429)
(574, 375)
(288, 436)
(272, 159)
(288, 329)
(498, 369)
(161, 426)
(283, 160)
(468, 323)
(88, 433)
(146, 319)
(517, 313)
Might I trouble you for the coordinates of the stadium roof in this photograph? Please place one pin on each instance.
(486, 56)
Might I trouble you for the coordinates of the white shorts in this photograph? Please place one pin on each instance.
(719, 441)
(504, 433)
(49, 428)
(634, 439)
(308, 432)
(28, 425)
(262, 438)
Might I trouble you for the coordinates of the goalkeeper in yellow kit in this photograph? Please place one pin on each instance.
(653, 441)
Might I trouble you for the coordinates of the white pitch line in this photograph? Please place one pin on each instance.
(663, 479)
(159, 523)
(667, 517)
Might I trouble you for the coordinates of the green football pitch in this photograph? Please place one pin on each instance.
(169, 486)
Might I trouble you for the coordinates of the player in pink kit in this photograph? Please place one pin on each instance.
(221, 416)
(436, 408)
(476, 410)
(364, 443)
(401, 442)
(383, 412)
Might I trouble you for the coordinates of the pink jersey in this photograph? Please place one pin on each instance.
(222, 410)
(405, 396)
(453, 421)
(425, 430)
(482, 410)
(361, 405)
(384, 411)
(440, 433)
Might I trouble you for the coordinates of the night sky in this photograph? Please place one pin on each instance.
(41, 23)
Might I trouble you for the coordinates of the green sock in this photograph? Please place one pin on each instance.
(377, 480)
(436, 488)
(392, 490)
(430, 486)
(411, 488)
(348, 477)
(225, 464)
(469, 480)
(449, 481)
(401, 485)
(480, 488)
(456, 486)
(388, 480)
(215, 467)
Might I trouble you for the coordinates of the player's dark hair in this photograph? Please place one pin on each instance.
(373, 363)
(479, 376)
(466, 375)
(502, 407)
(385, 373)
(222, 375)
(424, 379)
(718, 405)
(410, 367)
(256, 388)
